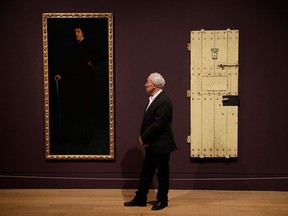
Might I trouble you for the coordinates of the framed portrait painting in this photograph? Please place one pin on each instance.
(78, 86)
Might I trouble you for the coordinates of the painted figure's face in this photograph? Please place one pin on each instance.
(78, 34)
(150, 86)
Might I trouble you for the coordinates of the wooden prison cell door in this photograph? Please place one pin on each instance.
(214, 93)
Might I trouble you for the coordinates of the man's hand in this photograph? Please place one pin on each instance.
(145, 145)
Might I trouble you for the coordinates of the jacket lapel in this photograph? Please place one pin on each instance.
(154, 102)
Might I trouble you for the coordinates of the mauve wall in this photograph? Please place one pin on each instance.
(149, 36)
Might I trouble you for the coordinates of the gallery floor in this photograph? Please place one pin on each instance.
(103, 202)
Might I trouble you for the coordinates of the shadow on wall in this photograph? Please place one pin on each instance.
(131, 168)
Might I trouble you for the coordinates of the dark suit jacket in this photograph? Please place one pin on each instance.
(156, 128)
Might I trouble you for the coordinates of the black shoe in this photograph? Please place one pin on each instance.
(159, 205)
(135, 203)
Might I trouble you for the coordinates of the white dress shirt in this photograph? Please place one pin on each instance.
(152, 98)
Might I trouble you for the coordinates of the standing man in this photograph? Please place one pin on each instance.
(157, 137)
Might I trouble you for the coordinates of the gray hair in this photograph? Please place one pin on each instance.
(158, 80)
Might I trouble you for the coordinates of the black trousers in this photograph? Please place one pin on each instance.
(151, 164)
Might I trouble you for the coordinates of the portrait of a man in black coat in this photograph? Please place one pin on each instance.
(79, 86)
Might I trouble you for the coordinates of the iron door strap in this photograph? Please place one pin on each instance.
(223, 66)
(230, 100)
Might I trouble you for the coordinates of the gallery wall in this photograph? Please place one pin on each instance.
(149, 36)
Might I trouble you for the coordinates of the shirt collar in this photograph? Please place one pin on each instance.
(155, 95)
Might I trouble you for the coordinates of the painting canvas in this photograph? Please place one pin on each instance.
(78, 86)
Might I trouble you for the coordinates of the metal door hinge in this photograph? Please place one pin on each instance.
(189, 47)
(189, 93)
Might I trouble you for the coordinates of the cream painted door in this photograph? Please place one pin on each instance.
(214, 94)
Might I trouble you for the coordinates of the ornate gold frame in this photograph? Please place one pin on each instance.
(108, 148)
